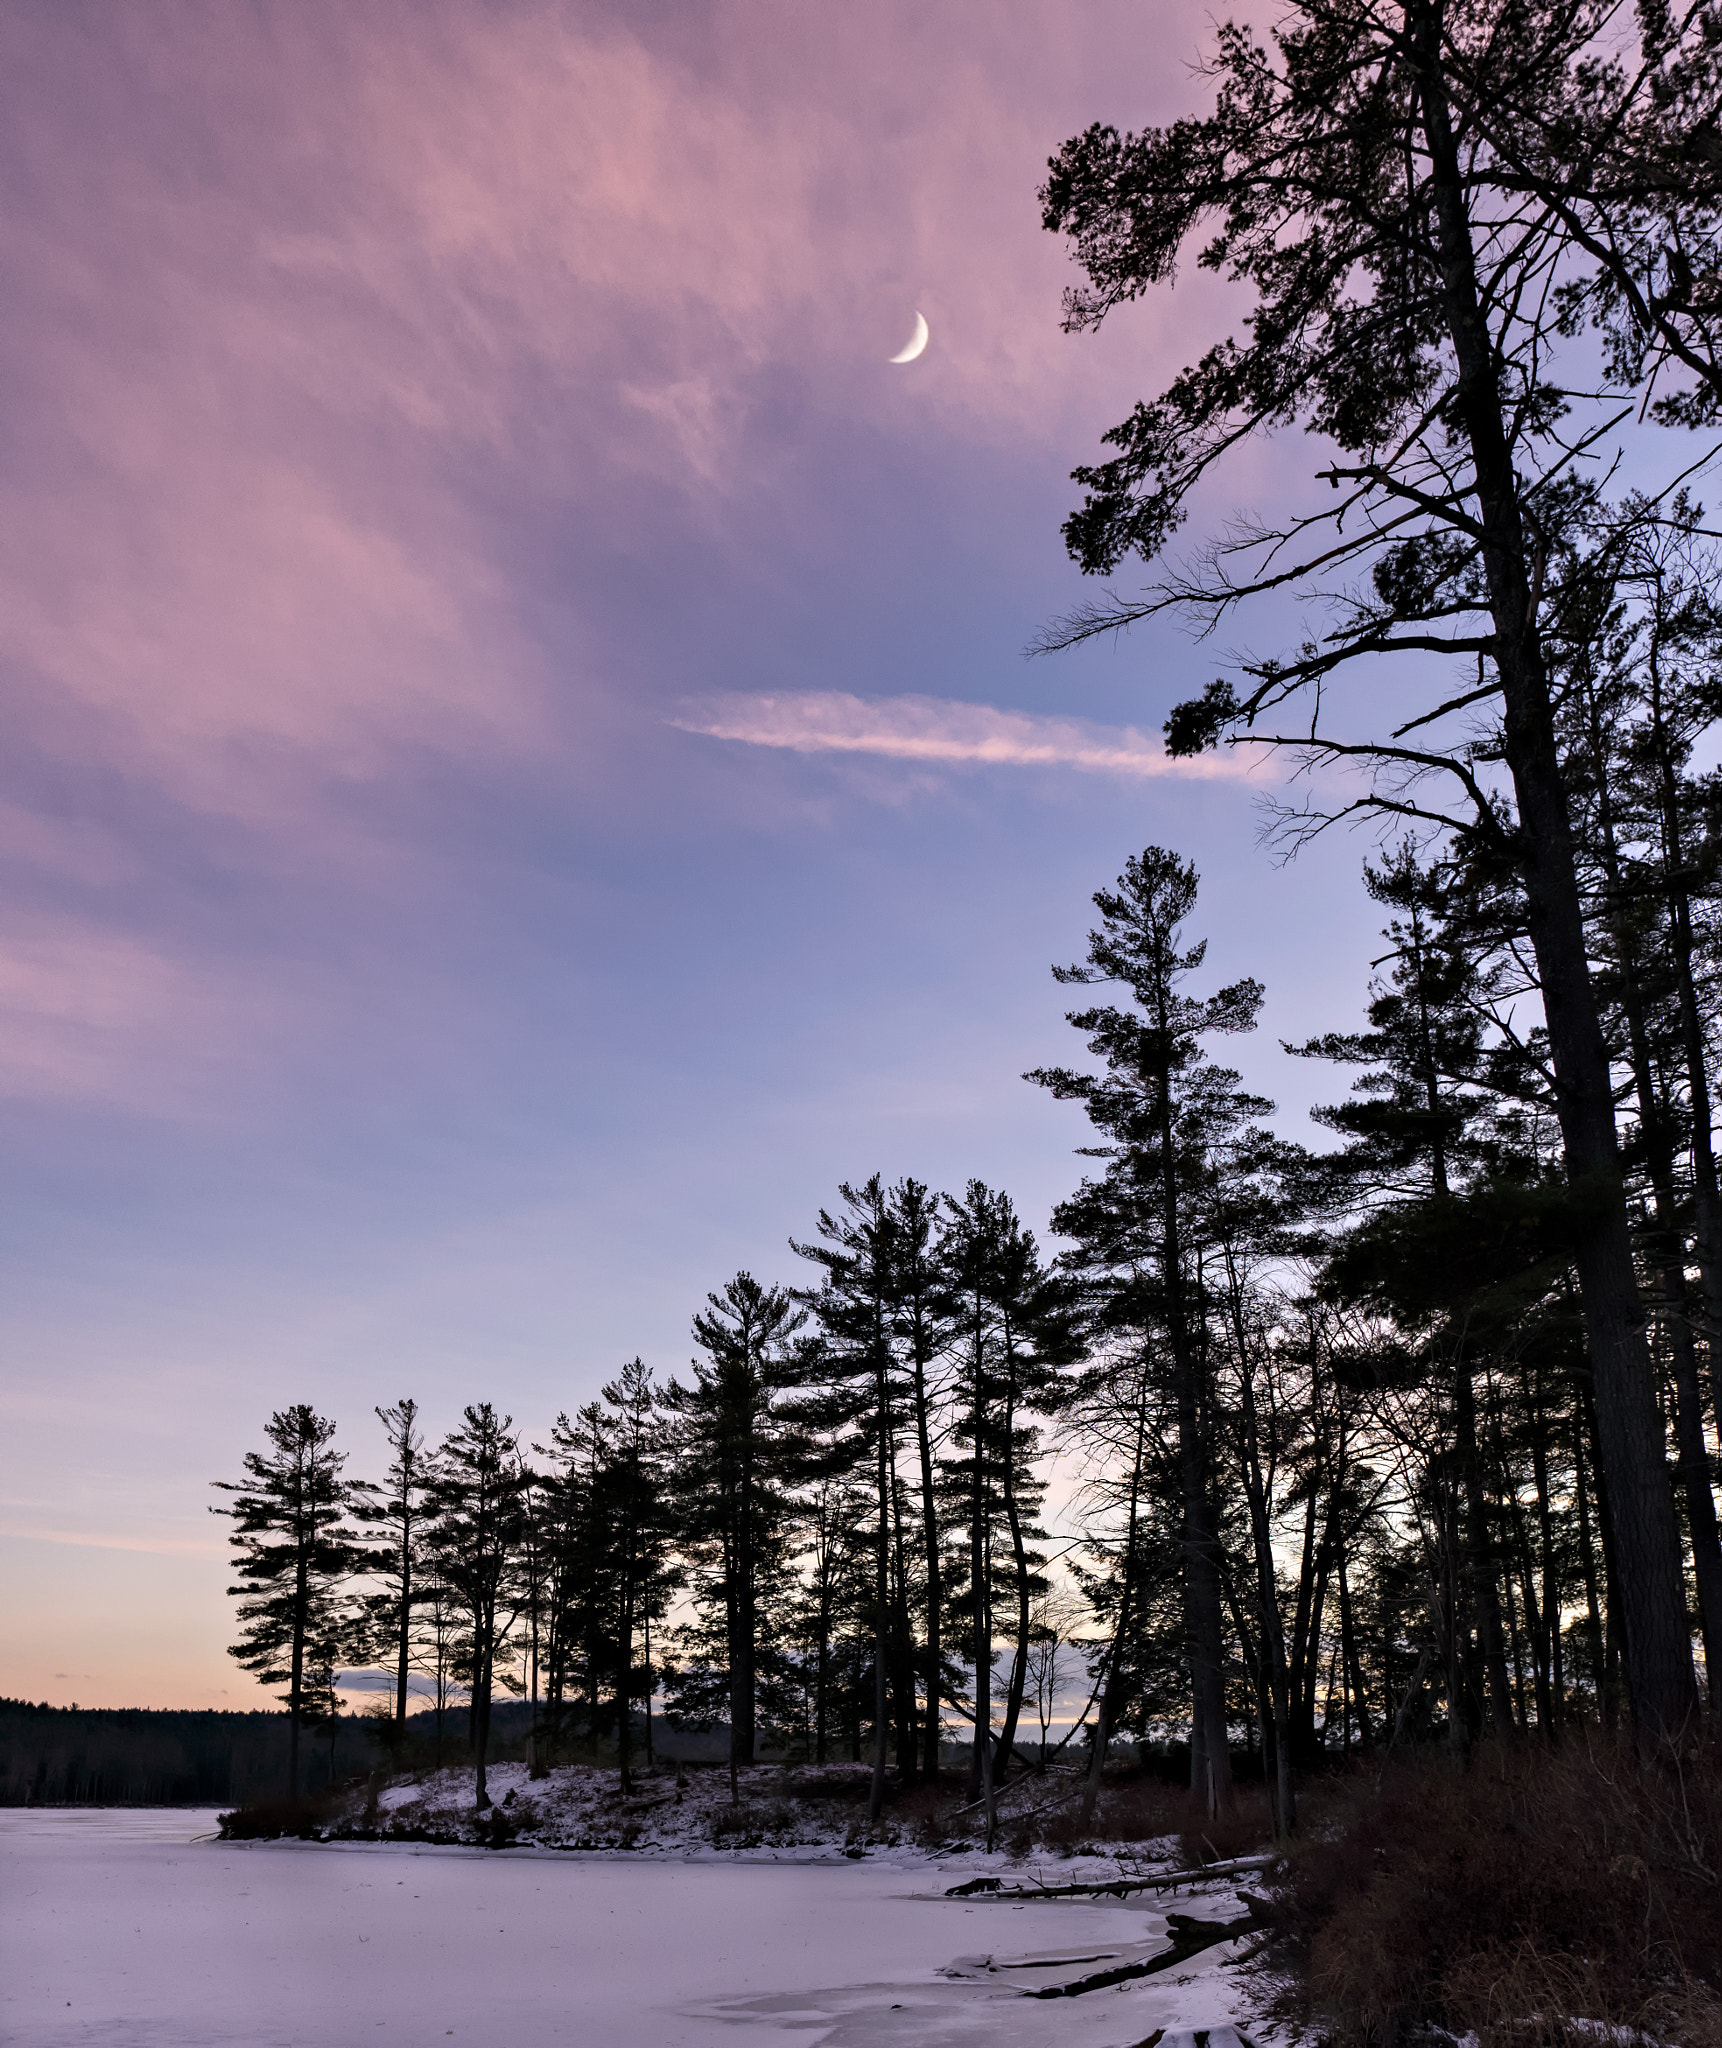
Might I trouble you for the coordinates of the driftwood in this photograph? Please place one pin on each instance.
(1115, 1887)
(1189, 1938)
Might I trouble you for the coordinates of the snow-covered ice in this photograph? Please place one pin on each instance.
(125, 1930)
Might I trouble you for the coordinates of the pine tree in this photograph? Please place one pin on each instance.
(737, 1451)
(1630, 667)
(634, 1514)
(972, 1250)
(1431, 1163)
(394, 1516)
(1012, 1329)
(1167, 1114)
(921, 1323)
(1040, 1339)
(855, 1307)
(475, 1499)
(577, 1551)
(293, 1551)
(1414, 288)
(439, 1646)
(830, 1617)
(531, 1580)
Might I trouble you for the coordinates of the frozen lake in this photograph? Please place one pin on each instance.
(122, 1930)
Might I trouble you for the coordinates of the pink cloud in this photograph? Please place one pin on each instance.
(152, 1546)
(934, 731)
(316, 314)
(88, 1014)
(289, 271)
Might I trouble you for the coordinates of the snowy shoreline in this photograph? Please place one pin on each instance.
(811, 1812)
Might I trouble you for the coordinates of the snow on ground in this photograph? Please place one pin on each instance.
(812, 1807)
(581, 1806)
(137, 1930)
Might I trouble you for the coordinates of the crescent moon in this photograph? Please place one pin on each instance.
(915, 344)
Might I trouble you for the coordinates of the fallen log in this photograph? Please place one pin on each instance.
(1189, 1938)
(1117, 1887)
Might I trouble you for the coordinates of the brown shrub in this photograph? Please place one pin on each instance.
(929, 1814)
(268, 1819)
(1141, 1807)
(829, 1781)
(1524, 1889)
(1246, 1827)
(751, 1823)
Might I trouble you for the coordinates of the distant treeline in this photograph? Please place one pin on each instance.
(137, 1756)
(140, 1756)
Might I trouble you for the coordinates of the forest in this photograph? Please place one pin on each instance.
(1386, 1446)
(1397, 1433)
(1328, 1408)
(140, 1756)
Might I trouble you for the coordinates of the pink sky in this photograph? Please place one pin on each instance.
(521, 774)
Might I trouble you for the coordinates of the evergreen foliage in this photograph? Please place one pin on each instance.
(292, 1554)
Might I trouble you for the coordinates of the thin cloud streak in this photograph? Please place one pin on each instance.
(938, 730)
(149, 1546)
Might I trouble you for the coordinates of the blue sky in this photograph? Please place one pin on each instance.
(523, 773)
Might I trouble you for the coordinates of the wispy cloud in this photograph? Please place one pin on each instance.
(939, 731)
(93, 1015)
(79, 1539)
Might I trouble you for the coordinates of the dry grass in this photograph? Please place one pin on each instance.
(1527, 1889)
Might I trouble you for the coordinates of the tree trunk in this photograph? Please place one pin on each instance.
(1208, 1734)
(1105, 1705)
(1273, 1647)
(980, 1635)
(482, 1653)
(1587, 1551)
(1351, 1670)
(932, 1562)
(1480, 1549)
(1019, 1561)
(1667, 1249)
(1616, 1631)
(404, 1649)
(903, 1654)
(742, 1620)
(1694, 1473)
(625, 1680)
(1707, 1202)
(1304, 1612)
(1659, 1660)
(882, 1596)
(296, 1674)
(1551, 1575)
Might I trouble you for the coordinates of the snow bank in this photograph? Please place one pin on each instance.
(811, 1807)
(581, 1807)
